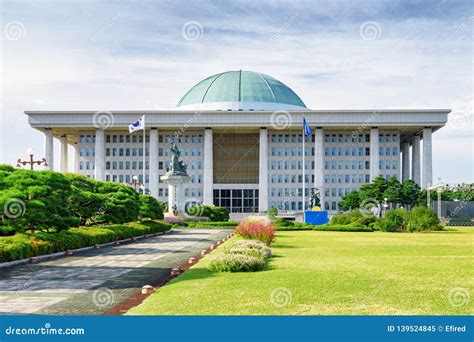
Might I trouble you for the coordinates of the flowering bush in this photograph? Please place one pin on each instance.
(257, 228)
(176, 221)
(236, 263)
(258, 246)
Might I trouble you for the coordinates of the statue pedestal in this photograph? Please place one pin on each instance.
(316, 217)
(175, 193)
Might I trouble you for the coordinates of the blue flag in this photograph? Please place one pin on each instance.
(307, 129)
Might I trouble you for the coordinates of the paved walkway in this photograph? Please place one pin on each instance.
(94, 281)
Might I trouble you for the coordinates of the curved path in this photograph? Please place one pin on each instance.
(94, 281)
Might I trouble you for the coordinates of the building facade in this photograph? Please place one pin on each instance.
(240, 134)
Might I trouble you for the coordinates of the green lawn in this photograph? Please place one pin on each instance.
(332, 273)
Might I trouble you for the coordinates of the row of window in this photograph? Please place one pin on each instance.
(138, 138)
(138, 152)
(138, 165)
(359, 165)
(290, 165)
(286, 138)
(297, 205)
(348, 179)
(196, 179)
(359, 138)
(279, 179)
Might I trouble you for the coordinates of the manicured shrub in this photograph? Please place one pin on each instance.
(393, 221)
(283, 223)
(25, 245)
(257, 228)
(259, 246)
(236, 263)
(214, 214)
(150, 208)
(353, 227)
(423, 219)
(224, 224)
(354, 216)
(272, 213)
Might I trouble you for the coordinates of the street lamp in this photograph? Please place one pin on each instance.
(31, 162)
(135, 182)
(385, 204)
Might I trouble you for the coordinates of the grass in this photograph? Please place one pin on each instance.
(333, 273)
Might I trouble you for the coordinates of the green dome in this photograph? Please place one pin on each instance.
(245, 90)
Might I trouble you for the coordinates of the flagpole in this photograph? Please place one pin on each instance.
(304, 173)
(144, 154)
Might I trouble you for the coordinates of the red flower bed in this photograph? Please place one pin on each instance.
(257, 229)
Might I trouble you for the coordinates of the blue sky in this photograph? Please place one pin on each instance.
(73, 55)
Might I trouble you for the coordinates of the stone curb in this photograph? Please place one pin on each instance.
(57, 255)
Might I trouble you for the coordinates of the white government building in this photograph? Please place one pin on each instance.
(241, 134)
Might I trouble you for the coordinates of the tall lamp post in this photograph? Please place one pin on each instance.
(136, 183)
(385, 205)
(31, 161)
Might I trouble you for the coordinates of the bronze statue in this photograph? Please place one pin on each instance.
(314, 200)
(176, 167)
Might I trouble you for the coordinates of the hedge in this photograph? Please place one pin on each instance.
(224, 224)
(289, 226)
(214, 213)
(24, 245)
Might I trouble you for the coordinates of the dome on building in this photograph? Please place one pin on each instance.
(240, 90)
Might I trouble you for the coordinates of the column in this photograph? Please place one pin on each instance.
(154, 176)
(99, 172)
(76, 157)
(416, 160)
(263, 172)
(63, 160)
(374, 153)
(208, 194)
(319, 163)
(405, 160)
(48, 148)
(427, 178)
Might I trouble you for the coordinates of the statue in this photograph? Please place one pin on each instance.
(176, 176)
(176, 167)
(314, 200)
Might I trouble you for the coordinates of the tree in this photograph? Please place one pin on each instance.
(42, 196)
(393, 191)
(410, 193)
(350, 201)
(84, 201)
(150, 208)
(374, 190)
